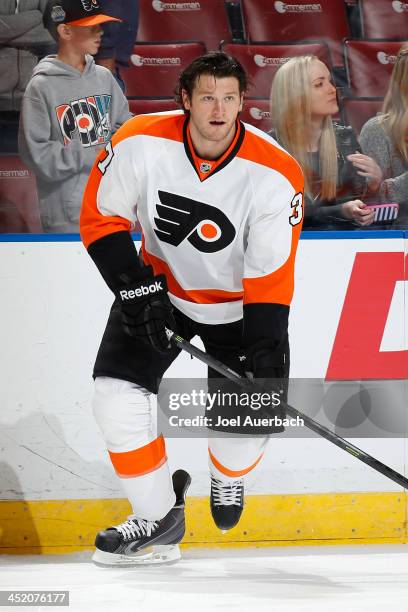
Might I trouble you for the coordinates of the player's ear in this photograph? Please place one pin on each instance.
(186, 99)
(241, 104)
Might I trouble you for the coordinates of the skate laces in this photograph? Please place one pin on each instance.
(226, 493)
(136, 528)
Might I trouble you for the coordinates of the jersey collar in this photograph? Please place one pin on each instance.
(205, 168)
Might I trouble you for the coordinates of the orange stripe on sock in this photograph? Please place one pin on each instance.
(232, 473)
(141, 460)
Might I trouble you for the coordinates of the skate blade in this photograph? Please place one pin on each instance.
(149, 556)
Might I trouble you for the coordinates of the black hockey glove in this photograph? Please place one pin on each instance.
(268, 364)
(147, 311)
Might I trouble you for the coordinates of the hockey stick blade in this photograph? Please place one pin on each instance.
(322, 431)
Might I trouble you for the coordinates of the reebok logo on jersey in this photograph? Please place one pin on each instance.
(206, 227)
(142, 291)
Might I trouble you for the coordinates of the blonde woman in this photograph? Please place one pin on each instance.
(337, 175)
(385, 138)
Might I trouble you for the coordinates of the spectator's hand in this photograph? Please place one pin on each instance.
(359, 212)
(369, 168)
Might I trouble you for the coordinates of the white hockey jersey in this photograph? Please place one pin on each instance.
(224, 232)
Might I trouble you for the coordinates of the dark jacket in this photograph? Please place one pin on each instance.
(326, 214)
(23, 39)
(118, 38)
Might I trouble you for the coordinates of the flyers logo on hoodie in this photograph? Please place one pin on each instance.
(87, 117)
(207, 228)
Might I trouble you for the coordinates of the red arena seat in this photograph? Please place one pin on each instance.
(256, 112)
(154, 68)
(384, 19)
(179, 20)
(141, 106)
(356, 111)
(298, 20)
(369, 65)
(262, 61)
(19, 210)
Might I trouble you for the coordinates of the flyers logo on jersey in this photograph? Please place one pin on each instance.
(204, 226)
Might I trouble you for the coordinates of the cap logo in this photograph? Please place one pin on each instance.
(89, 5)
(58, 14)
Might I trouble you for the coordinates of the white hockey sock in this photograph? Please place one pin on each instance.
(231, 458)
(123, 412)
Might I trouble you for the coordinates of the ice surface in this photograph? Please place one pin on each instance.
(303, 579)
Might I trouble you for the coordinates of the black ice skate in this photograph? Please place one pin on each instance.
(138, 541)
(227, 502)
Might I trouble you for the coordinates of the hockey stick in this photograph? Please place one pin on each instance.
(218, 366)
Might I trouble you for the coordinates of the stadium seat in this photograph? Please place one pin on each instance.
(154, 68)
(369, 65)
(256, 112)
(19, 210)
(384, 19)
(356, 111)
(262, 61)
(141, 106)
(179, 21)
(301, 20)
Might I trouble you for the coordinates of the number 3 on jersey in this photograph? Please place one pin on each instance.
(297, 209)
(104, 163)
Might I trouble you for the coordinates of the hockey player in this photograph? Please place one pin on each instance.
(221, 206)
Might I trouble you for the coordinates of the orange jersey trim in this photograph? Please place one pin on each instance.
(141, 460)
(200, 296)
(232, 473)
(277, 287)
(94, 225)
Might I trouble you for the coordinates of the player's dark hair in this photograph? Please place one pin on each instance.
(217, 64)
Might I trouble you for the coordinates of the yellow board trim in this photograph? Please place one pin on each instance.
(61, 526)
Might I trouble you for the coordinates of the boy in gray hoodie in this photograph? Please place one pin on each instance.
(70, 109)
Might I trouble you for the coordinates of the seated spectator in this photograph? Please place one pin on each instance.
(23, 39)
(118, 38)
(385, 138)
(69, 111)
(303, 101)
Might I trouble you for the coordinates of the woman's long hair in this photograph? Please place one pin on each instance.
(291, 119)
(395, 107)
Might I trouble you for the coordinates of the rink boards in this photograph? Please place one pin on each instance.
(348, 322)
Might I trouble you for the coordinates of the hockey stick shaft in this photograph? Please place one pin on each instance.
(311, 424)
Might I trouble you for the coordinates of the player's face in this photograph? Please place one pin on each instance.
(323, 92)
(214, 107)
(87, 39)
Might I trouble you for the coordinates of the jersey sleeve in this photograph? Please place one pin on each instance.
(269, 261)
(110, 199)
(109, 211)
(272, 242)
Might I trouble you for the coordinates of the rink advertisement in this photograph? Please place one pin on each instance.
(348, 329)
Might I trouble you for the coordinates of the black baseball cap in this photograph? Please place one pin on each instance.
(74, 12)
